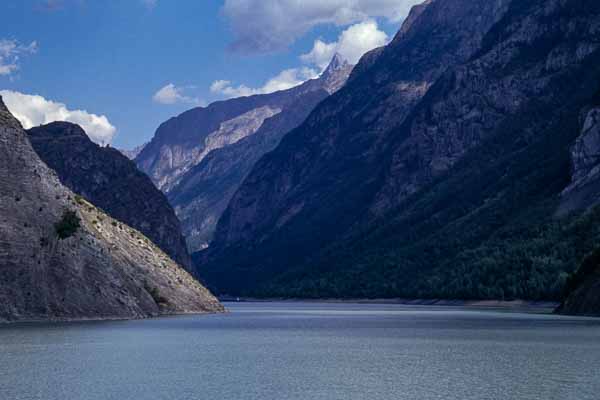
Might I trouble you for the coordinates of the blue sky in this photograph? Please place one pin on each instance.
(111, 58)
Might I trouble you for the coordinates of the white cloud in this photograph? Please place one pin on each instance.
(351, 45)
(171, 94)
(355, 41)
(321, 54)
(286, 79)
(34, 110)
(263, 26)
(10, 53)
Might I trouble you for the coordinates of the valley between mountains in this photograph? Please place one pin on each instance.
(461, 161)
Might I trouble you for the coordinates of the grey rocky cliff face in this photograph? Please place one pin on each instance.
(105, 270)
(477, 98)
(112, 182)
(584, 189)
(184, 141)
(586, 151)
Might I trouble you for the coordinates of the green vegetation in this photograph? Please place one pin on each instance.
(68, 225)
(156, 296)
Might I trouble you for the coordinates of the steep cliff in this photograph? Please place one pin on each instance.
(435, 172)
(184, 141)
(584, 189)
(205, 190)
(112, 182)
(62, 258)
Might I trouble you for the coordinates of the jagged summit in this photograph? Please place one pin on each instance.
(336, 74)
(337, 63)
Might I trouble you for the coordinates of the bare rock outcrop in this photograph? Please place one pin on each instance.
(112, 182)
(584, 189)
(99, 269)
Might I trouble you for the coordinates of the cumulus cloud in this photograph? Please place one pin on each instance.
(10, 53)
(351, 45)
(286, 79)
(321, 54)
(261, 26)
(34, 110)
(171, 94)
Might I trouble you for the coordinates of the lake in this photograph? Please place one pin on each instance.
(307, 351)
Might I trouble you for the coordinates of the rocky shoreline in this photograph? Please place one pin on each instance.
(46, 321)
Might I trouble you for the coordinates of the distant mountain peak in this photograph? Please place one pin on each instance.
(133, 153)
(336, 74)
(337, 63)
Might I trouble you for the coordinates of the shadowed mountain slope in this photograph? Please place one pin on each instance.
(112, 182)
(437, 171)
(201, 157)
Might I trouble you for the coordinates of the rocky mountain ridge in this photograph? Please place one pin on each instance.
(206, 178)
(61, 258)
(182, 142)
(451, 143)
(204, 192)
(112, 182)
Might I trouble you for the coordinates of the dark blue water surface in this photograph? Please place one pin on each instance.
(307, 351)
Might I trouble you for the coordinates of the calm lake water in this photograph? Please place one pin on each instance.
(307, 351)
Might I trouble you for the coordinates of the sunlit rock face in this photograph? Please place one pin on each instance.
(112, 182)
(103, 269)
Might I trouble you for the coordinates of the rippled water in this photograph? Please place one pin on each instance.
(307, 351)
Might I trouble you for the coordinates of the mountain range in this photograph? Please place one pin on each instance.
(459, 161)
(200, 158)
(456, 162)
